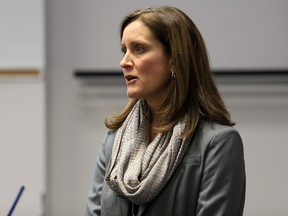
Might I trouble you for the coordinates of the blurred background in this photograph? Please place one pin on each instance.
(60, 77)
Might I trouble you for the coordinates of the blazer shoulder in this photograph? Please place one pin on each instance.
(210, 133)
(212, 128)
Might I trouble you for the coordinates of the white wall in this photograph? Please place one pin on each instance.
(84, 35)
(22, 107)
(238, 34)
(22, 33)
(22, 144)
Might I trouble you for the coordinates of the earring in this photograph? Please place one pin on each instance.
(173, 75)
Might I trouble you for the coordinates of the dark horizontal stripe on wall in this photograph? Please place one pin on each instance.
(222, 76)
(92, 73)
(257, 72)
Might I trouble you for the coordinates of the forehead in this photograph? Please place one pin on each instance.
(137, 30)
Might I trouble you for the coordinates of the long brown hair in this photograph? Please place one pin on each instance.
(194, 91)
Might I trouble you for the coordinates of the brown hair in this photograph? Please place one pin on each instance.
(194, 91)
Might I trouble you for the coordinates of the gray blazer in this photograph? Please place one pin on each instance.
(210, 181)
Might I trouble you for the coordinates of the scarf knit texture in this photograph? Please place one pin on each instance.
(140, 168)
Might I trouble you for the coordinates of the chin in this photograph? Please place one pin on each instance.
(132, 94)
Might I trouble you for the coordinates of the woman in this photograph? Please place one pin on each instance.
(172, 150)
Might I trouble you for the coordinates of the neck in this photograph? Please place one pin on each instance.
(153, 110)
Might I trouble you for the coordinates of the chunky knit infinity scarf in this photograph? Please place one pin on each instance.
(140, 169)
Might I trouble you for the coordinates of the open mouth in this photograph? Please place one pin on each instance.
(130, 78)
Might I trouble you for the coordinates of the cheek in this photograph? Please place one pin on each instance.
(147, 66)
(154, 67)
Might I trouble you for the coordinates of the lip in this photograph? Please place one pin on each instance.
(130, 79)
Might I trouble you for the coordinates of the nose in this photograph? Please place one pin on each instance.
(126, 61)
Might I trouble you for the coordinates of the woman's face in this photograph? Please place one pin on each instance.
(146, 66)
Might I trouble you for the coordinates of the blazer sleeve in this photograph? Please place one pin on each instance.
(93, 207)
(222, 191)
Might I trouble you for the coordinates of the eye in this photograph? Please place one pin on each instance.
(139, 49)
(123, 50)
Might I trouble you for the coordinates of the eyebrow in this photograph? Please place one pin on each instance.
(135, 42)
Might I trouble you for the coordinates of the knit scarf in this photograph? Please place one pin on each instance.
(140, 169)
